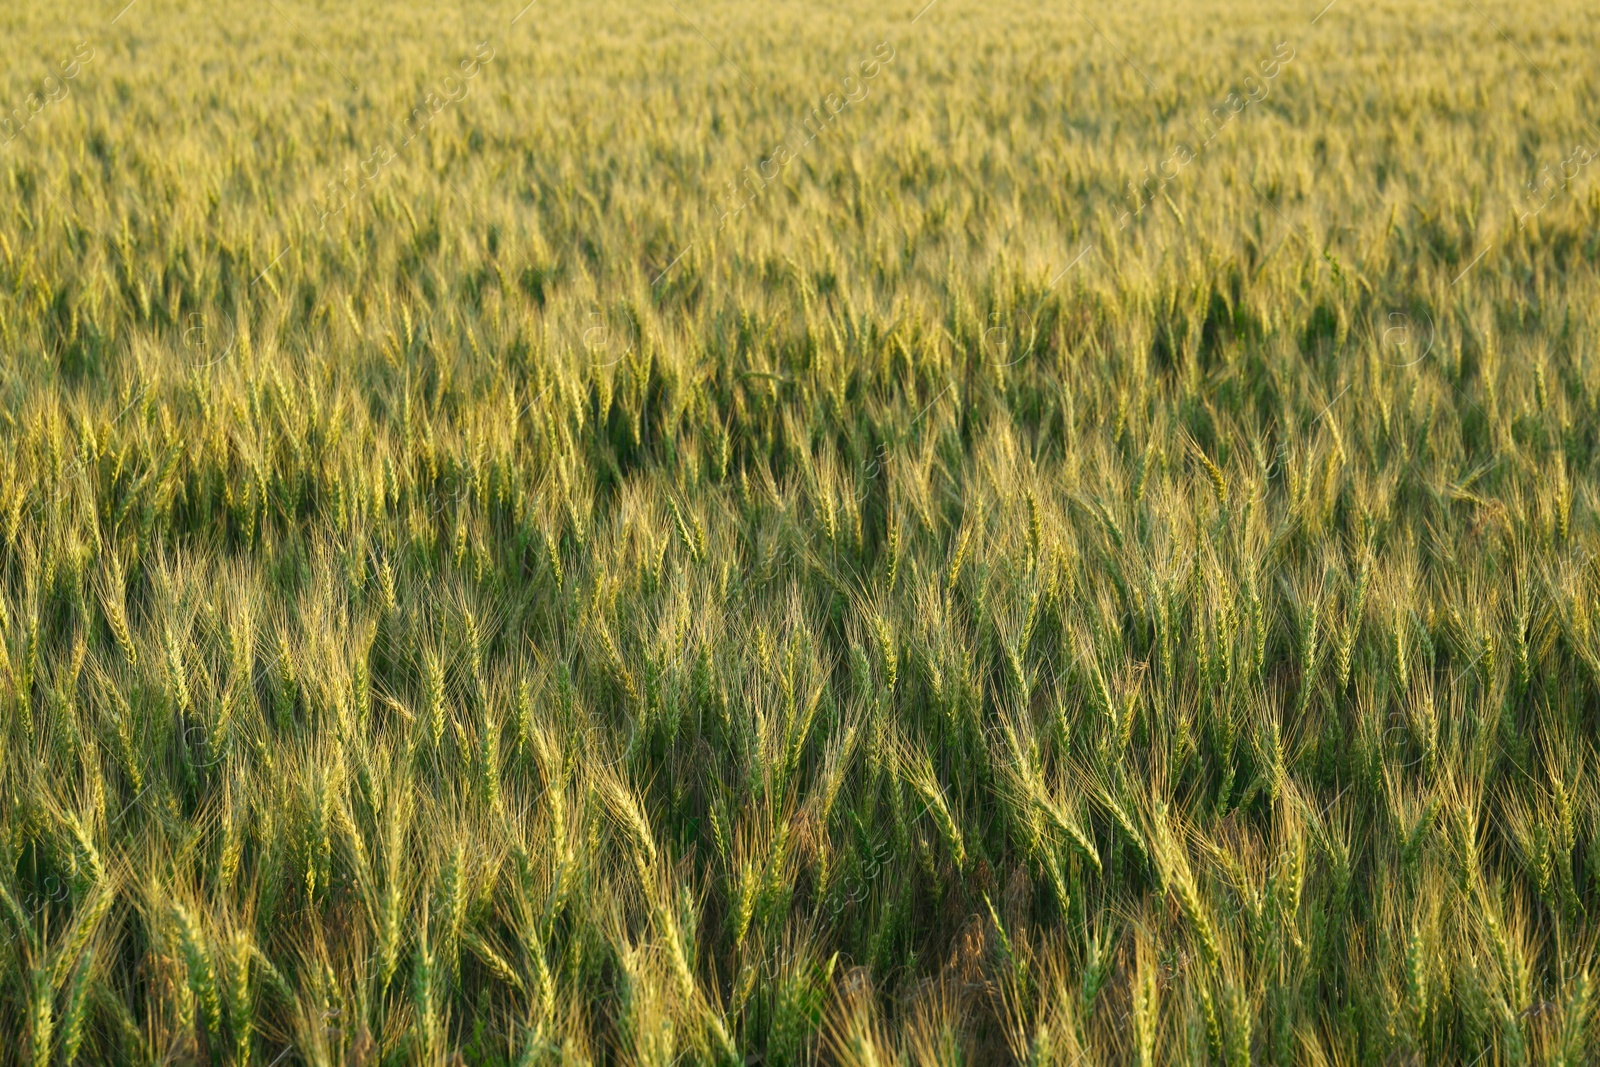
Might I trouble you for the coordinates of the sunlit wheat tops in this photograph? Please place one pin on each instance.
(990, 597)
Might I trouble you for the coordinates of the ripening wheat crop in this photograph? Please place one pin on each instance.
(717, 532)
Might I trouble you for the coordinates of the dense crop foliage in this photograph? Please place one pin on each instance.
(724, 533)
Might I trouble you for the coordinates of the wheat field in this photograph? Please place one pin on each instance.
(708, 532)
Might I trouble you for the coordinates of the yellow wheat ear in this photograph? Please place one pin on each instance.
(1219, 484)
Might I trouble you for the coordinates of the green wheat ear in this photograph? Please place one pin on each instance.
(202, 975)
(239, 996)
(424, 990)
(76, 1008)
(435, 700)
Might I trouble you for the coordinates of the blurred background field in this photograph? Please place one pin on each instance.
(1089, 558)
